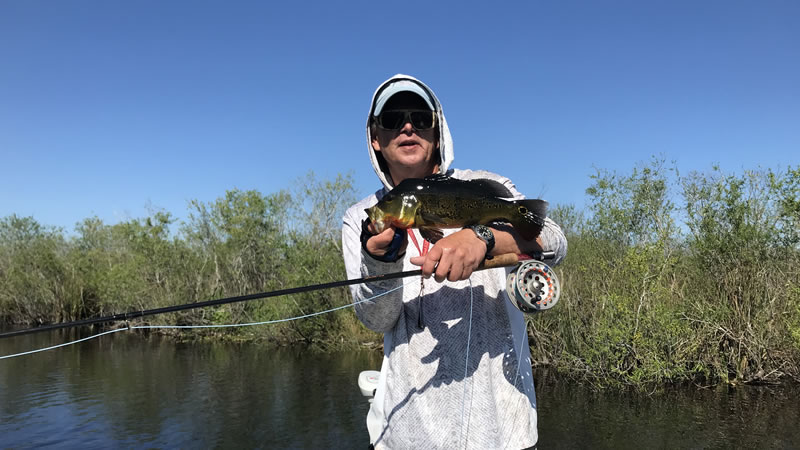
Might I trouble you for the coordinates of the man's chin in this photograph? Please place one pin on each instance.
(413, 162)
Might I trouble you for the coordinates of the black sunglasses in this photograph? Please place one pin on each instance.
(420, 119)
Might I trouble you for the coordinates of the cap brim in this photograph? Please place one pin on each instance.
(397, 87)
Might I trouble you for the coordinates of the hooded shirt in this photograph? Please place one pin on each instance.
(445, 140)
(456, 371)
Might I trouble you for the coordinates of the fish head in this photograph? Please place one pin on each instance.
(378, 218)
(396, 210)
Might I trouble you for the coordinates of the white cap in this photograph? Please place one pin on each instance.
(401, 86)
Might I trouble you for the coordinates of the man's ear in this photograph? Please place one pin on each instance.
(373, 133)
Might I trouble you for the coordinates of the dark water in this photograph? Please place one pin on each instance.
(136, 392)
(746, 417)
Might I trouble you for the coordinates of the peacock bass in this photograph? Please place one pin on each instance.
(440, 201)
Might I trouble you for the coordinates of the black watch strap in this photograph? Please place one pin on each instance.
(485, 234)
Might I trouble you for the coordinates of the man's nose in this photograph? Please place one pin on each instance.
(407, 127)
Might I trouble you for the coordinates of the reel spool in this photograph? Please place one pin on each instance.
(533, 286)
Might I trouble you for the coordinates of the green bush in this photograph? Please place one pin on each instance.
(647, 300)
(669, 278)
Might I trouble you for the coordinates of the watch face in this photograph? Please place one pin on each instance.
(485, 234)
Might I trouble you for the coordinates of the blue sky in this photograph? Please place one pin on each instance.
(109, 106)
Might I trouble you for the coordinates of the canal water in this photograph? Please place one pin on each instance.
(135, 391)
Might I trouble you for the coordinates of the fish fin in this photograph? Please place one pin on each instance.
(431, 235)
(495, 188)
(529, 220)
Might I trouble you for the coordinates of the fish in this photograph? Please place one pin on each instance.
(440, 201)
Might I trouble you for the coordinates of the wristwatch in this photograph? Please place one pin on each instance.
(485, 234)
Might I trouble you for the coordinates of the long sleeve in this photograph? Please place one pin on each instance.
(553, 239)
(381, 313)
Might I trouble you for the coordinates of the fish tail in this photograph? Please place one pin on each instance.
(528, 218)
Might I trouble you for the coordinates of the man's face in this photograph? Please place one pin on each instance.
(409, 153)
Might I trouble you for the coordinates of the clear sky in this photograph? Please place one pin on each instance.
(109, 106)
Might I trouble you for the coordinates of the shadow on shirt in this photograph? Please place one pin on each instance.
(446, 319)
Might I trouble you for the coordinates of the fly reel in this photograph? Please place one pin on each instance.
(533, 286)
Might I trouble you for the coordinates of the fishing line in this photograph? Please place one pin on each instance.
(148, 327)
(524, 388)
(222, 301)
(466, 370)
(498, 261)
(62, 345)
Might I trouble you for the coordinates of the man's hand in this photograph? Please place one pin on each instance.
(379, 243)
(457, 255)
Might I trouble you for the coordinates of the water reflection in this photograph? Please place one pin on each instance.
(680, 417)
(151, 392)
(135, 391)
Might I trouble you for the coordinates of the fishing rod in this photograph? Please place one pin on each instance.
(525, 285)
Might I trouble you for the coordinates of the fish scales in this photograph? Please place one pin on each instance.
(443, 202)
(458, 209)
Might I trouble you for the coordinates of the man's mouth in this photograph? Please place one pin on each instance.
(408, 143)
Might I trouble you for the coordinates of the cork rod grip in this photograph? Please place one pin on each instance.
(504, 260)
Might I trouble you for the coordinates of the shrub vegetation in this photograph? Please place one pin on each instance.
(675, 278)
(669, 278)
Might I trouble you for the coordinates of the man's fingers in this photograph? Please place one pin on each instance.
(456, 272)
(377, 244)
(385, 236)
(446, 264)
(380, 241)
(430, 266)
(453, 258)
(427, 262)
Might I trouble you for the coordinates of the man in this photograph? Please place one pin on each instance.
(456, 367)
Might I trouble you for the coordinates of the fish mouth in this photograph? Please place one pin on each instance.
(377, 217)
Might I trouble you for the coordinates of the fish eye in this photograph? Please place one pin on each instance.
(523, 210)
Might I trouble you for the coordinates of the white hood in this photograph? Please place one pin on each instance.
(445, 140)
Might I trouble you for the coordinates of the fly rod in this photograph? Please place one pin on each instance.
(505, 260)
